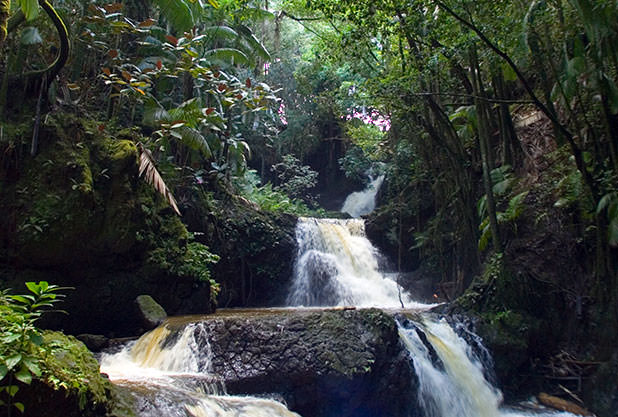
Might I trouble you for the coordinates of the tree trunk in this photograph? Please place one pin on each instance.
(483, 145)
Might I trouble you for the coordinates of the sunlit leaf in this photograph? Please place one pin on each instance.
(24, 375)
(30, 8)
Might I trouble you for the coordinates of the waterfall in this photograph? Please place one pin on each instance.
(168, 372)
(451, 376)
(337, 265)
(363, 202)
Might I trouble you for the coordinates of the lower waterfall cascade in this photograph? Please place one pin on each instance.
(168, 374)
(168, 370)
(451, 376)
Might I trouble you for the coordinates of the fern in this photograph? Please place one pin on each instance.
(194, 140)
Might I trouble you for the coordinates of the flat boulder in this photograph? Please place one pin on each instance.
(324, 363)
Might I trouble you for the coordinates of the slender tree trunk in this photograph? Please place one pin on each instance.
(483, 145)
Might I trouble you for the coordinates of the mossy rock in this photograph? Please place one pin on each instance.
(70, 385)
(151, 312)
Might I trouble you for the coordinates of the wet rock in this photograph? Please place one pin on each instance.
(323, 363)
(150, 312)
(94, 342)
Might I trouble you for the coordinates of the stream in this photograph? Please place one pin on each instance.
(169, 370)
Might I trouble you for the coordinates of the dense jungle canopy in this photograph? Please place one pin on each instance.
(167, 147)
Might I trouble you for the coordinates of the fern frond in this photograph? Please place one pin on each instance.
(195, 140)
(148, 169)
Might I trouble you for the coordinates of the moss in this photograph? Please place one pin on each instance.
(71, 367)
(70, 384)
(349, 356)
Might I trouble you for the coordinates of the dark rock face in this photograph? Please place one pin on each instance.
(257, 249)
(324, 364)
(78, 215)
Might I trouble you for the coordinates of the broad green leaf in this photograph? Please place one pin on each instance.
(32, 365)
(19, 406)
(256, 46)
(12, 390)
(34, 287)
(231, 55)
(220, 32)
(24, 375)
(195, 140)
(3, 371)
(177, 12)
(30, 8)
(13, 361)
(26, 299)
(30, 36)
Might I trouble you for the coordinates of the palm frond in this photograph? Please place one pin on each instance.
(190, 112)
(148, 169)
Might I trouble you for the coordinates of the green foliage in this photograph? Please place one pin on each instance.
(271, 199)
(503, 181)
(295, 179)
(21, 345)
(191, 261)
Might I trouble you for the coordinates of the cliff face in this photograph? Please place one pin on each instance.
(78, 215)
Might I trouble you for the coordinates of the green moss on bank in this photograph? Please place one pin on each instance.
(70, 384)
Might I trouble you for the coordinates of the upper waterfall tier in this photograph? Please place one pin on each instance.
(337, 265)
(363, 202)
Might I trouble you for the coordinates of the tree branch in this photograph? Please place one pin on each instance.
(575, 150)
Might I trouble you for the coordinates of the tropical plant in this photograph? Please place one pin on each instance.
(22, 343)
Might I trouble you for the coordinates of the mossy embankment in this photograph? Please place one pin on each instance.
(70, 384)
(78, 215)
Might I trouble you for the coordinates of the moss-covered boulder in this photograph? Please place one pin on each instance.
(323, 363)
(151, 313)
(70, 385)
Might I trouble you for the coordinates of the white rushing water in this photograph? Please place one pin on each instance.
(363, 202)
(337, 265)
(451, 377)
(169, 375)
